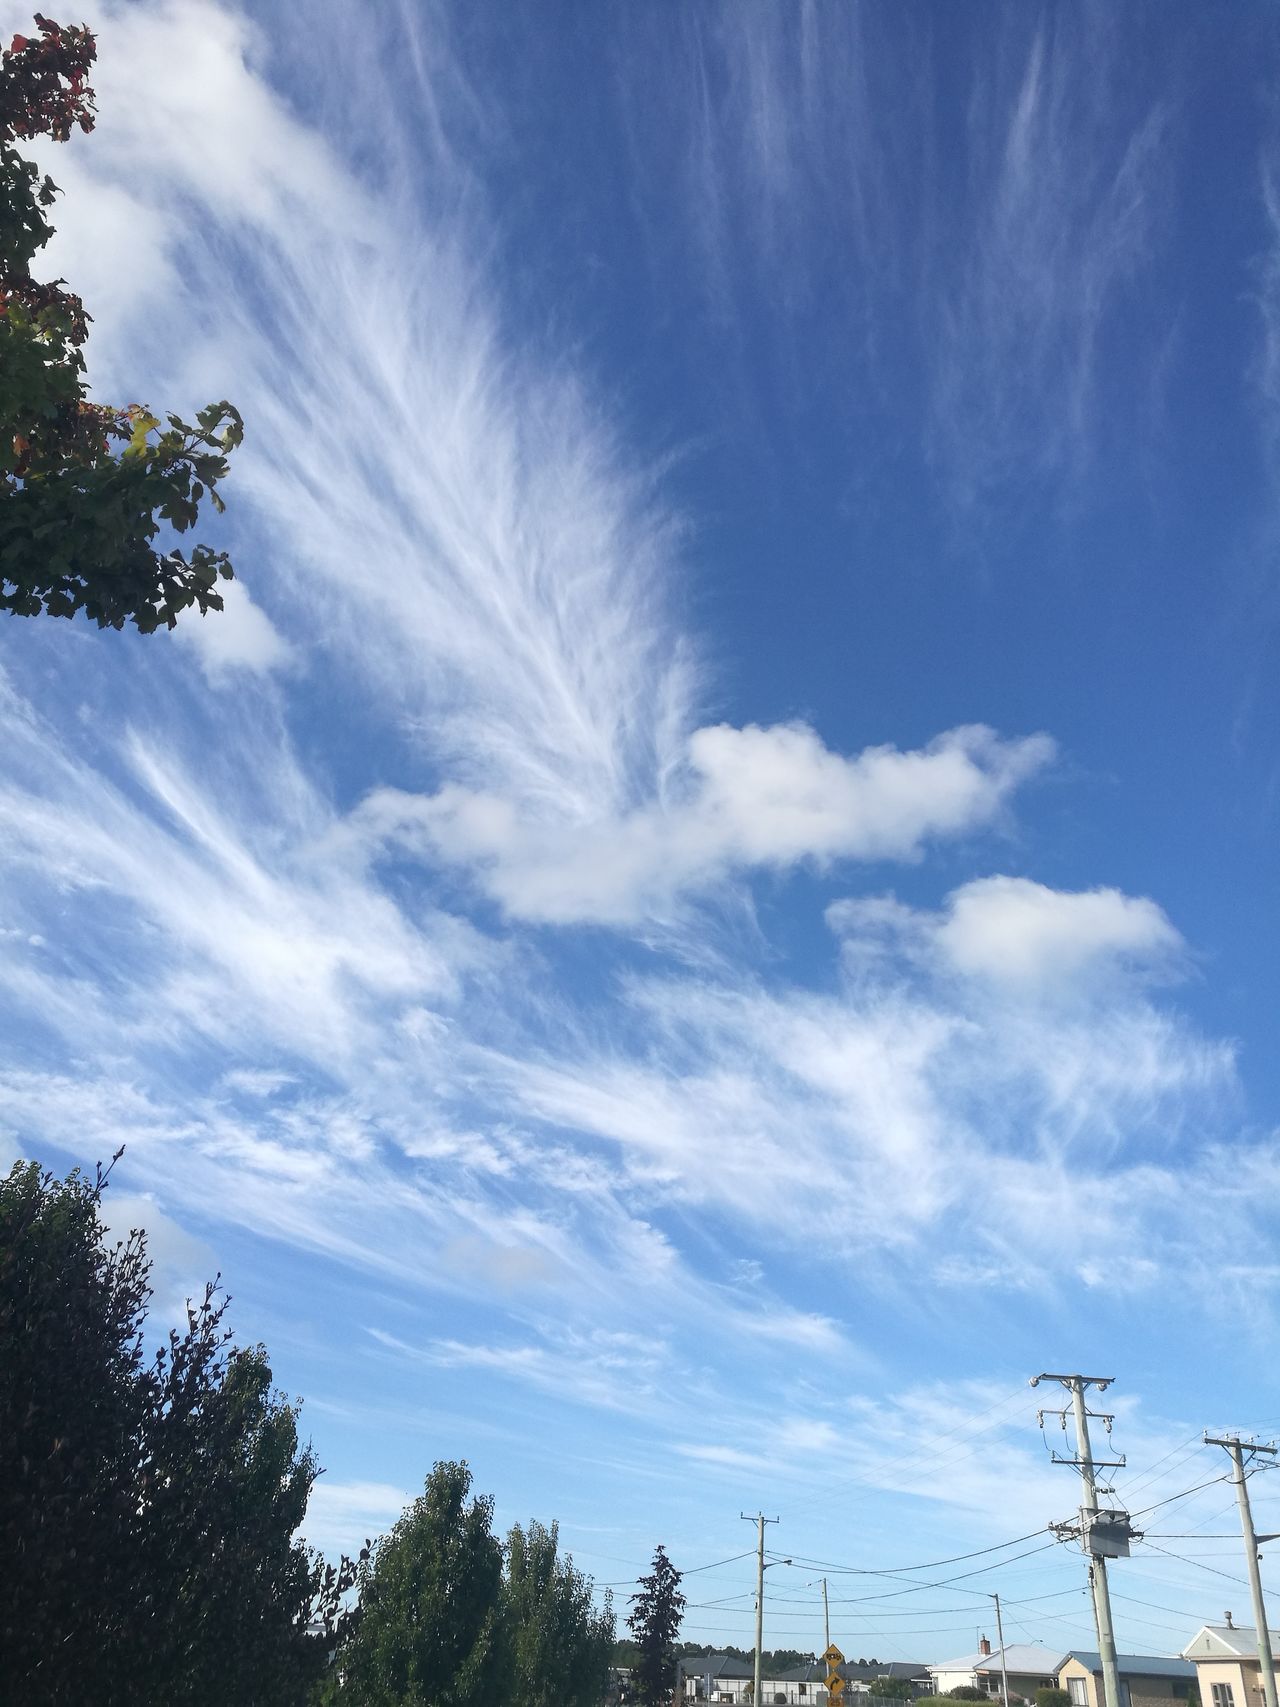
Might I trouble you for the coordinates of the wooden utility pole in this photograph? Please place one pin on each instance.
(760, 1519)
(1004, 1668)
(1086, 1463)
(1237, 1448)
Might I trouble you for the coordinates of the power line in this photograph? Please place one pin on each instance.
(1183, 1559)
(945, 1582)
(1186, 1494)
(629, 1582)
(929, 1565)
(1197, 1446)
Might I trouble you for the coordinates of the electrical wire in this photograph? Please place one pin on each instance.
(630, 1582)
(898, 1570)
(1183, 1559)
(1186, 1494)
(945, 1582)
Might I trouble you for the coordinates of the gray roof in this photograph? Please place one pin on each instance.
(1136, 1665)
(1023, 1657)
(890, 1668)
(1240, 1638)
(718, 1665)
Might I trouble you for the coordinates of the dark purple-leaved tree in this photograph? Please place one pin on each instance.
(657, 1609)
(149, 1495)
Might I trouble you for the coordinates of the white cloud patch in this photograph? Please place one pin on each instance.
(240, 637)
(754, 798)
(1020, 932)
(614, 1370)
(342, 1516)
(1016, 933)
(181, 1264)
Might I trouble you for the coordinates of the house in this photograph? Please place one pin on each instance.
(1227, 1665)
(862, 1678)
(714, 1677)
(801, 1686)
(1029, 1667)
(723, 1678)
(1144, 1678)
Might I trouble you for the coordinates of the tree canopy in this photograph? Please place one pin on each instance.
(149, 1499)
(657, 1609)
(428, 1629)
(85, 488)
(449, 1617)
(558, 1646)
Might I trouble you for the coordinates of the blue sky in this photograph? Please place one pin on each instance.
(708, 907)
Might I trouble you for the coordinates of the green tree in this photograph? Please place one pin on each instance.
(657, 1609)
(148, 1501)
(557, 1646)
(84, 488)
(429, 1632)
(1049, 1697)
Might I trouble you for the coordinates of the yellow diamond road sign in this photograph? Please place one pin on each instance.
(835, 1683)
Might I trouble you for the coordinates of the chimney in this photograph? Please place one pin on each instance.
(984, 1646)
(1230, 1625)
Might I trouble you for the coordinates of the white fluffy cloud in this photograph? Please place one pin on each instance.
(1020, 932)
(240, 637)
(1016, 933)
(751, 798)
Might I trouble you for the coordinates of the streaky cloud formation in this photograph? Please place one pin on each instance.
(383, 918)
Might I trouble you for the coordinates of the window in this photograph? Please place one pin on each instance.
(1222, 1695)
(1078, 1690)
(803, 1689)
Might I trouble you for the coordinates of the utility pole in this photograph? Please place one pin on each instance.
(826, 1626)
(760, 1519)
(1004, 1668)
(1091, 1530)
(1237, 1449)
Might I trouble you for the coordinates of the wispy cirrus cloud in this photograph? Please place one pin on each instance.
(1070, 203)
(239, 923)
(975, 265)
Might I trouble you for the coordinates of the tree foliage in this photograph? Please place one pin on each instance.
(148, 1498)
(448, 1617)
(657, 1609)
(428, 1633)
(558, 1646)
(85, 488)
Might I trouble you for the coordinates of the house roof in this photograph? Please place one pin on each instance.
(1239, 1639)
(1136, 1665)
(890, 1668)
(1022, 1657)
(717, 1665)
